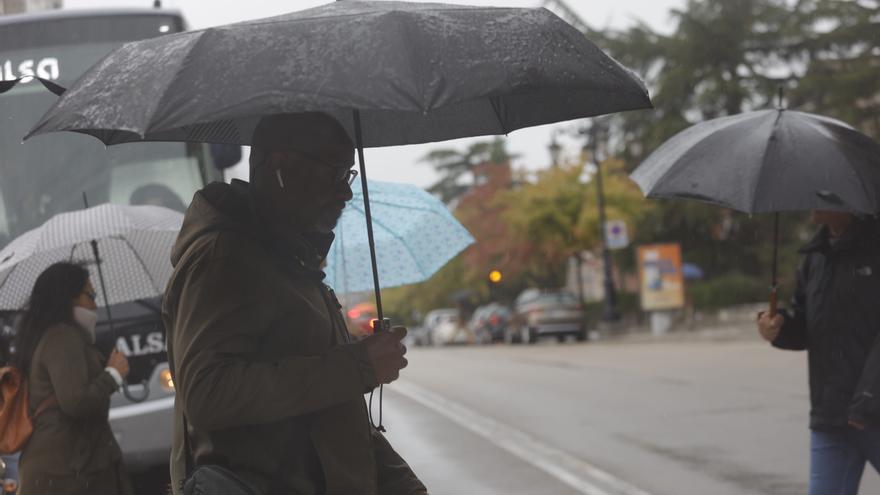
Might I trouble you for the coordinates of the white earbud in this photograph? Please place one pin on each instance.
(280, 180)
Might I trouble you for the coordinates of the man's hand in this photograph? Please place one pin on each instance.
(769, 327)
(386, 353)
(856, 424)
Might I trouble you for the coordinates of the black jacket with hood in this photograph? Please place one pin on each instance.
(835, 316)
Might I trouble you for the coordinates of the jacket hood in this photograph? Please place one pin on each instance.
(216, 207)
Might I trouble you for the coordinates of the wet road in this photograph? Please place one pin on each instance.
(658, 418)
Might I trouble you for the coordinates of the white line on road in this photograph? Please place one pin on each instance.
(574, 472)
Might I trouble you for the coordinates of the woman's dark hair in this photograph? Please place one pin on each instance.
(50, 303)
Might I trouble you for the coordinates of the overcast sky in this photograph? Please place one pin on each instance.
(401, 163)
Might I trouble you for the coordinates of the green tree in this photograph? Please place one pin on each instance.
(455, 166)
(840, 54)
(724, 57)
(557, 215)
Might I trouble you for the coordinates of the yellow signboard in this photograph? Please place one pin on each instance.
(661, 281)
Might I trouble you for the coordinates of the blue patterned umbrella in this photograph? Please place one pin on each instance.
(414, 232)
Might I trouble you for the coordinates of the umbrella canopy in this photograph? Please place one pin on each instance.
(416, 72)
(134, 241)
(767, 161)
(415, 236)
(691, 271)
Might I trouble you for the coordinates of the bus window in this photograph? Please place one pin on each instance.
(48, 174)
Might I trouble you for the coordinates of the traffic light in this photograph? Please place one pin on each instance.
(495, 276)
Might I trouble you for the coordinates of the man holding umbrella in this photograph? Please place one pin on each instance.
(270, 385)
(835, 316)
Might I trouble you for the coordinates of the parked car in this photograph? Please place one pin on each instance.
(489, 322)
(417, 336)
(549, 312)
(441, 326)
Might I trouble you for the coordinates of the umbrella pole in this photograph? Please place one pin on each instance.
(104, 290)
(113, 334)
(380, 320)
(360, 149)
(773, 286)
(101, 279)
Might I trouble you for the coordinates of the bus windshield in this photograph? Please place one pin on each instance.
(48, 174)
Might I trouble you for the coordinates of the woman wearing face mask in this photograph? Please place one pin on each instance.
(72, 450)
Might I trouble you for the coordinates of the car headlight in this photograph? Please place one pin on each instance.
(166, 381)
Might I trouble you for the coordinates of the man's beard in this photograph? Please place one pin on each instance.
(327, 221)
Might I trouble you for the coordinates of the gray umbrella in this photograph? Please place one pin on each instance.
(768, 161)
(417, 72)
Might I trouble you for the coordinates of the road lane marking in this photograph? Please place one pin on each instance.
(574, 472)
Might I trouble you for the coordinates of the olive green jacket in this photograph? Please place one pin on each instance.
(72, 449)
(266, 373)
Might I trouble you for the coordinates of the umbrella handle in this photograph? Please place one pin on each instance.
(128, 395)
(773, 302)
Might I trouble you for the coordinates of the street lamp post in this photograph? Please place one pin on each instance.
(555, 148)
(609, 309)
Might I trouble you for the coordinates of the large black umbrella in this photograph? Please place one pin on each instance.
(391, 72)
(416, 72)
(768, 161)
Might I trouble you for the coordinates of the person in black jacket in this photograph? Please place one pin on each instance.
(835, 317)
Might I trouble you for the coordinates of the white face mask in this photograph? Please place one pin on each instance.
(87, 319)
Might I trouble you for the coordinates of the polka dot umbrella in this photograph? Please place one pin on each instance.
(134, 244)
(415, 236)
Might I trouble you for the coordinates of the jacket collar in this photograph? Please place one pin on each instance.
(860, 232)
(230, 207)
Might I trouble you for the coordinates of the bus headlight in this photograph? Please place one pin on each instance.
(166, 381)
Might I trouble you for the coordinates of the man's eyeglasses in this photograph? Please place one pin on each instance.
(342, 174)
(91, 294)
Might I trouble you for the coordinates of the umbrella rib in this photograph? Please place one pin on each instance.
(669, 170)
(406, 246)
(176, 76)
(770, 140)
(862, 183)
(425, 209)
(399, 206)
(494, 102)
(403, 242)
(143, 265)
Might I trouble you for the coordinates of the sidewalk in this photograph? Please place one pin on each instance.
(715, 333)
(731, 324)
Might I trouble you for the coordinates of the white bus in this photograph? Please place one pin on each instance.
(48, 174)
